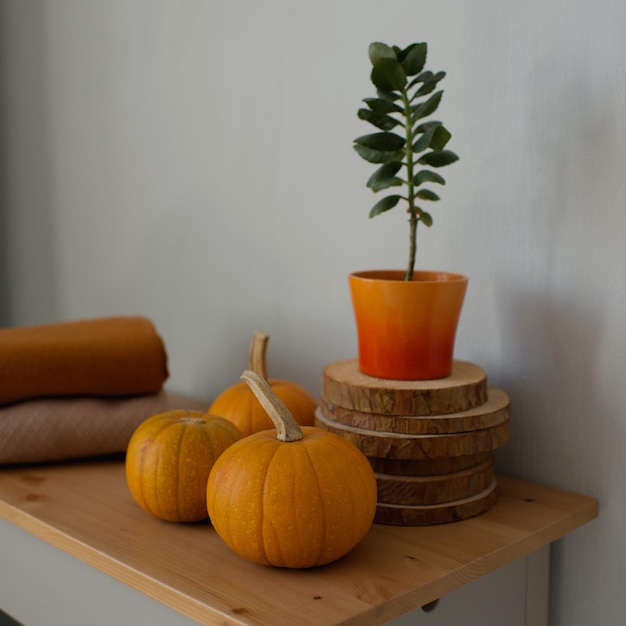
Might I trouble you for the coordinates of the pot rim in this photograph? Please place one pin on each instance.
(395, 275)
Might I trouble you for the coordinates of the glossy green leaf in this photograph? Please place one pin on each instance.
(427, 131)
(413, 58)
(382, 141)
(430, 82)
(379, 147)
(382, 106)
(418, 111)
(388, 75)
(426, 219)
(429, 86)
(427, 194)
(440, 138)
(385, 176)
(384, 122)
(421, 78)
(426, 176)
(438, 159)
(427, 126)
(384, 205)
(433, 135)
(378, 50)
(385, 184)
(389, 96)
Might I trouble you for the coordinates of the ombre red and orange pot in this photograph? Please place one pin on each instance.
(406, 329)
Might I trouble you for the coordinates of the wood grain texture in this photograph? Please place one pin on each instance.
(344, 385)
(86, 509)
(445, 513)
(414, 447)
(420, 490)
(494, 411)
(427, 467)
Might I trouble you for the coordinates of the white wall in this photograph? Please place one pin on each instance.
(191, 161)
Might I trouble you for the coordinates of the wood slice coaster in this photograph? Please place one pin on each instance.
(346, 386)
(403, 446)
(427, 467)
(418, 490)
(425, 515)
(493, 412)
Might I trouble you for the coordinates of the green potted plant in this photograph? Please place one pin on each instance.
(406, 319)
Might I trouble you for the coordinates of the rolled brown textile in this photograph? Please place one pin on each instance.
(59, 429)
(115, 356)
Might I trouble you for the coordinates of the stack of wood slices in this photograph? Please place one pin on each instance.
(430, 442)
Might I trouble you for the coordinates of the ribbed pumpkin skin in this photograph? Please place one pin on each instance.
(239, 405)
(292, 504)
(168, 461)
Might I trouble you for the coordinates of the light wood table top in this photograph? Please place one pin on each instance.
(86, 510)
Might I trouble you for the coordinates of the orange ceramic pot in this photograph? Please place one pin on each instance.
(406, 329)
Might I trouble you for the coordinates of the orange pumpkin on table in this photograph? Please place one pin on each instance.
(168, 460)
(239, 404)
(291, 497)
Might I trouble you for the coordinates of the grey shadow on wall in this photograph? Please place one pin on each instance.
(551, 345)
(28, 289)
(4, 249)
(564, 424)
(562, 415)
(5, 315)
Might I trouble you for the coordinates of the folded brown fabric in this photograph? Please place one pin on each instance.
(59, 429)
(116, 356)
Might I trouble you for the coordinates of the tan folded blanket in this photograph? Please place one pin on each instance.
(59, 429)
(117, 356)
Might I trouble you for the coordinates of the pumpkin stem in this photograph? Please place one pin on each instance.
(191, 420)
(258, 349)
(287, 429)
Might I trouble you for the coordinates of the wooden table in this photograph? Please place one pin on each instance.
(85, 510)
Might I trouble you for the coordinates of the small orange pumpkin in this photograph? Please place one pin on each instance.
(169, 458)
(239, 404)
(291, 497)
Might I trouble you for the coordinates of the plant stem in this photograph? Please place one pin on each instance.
(413, 210)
